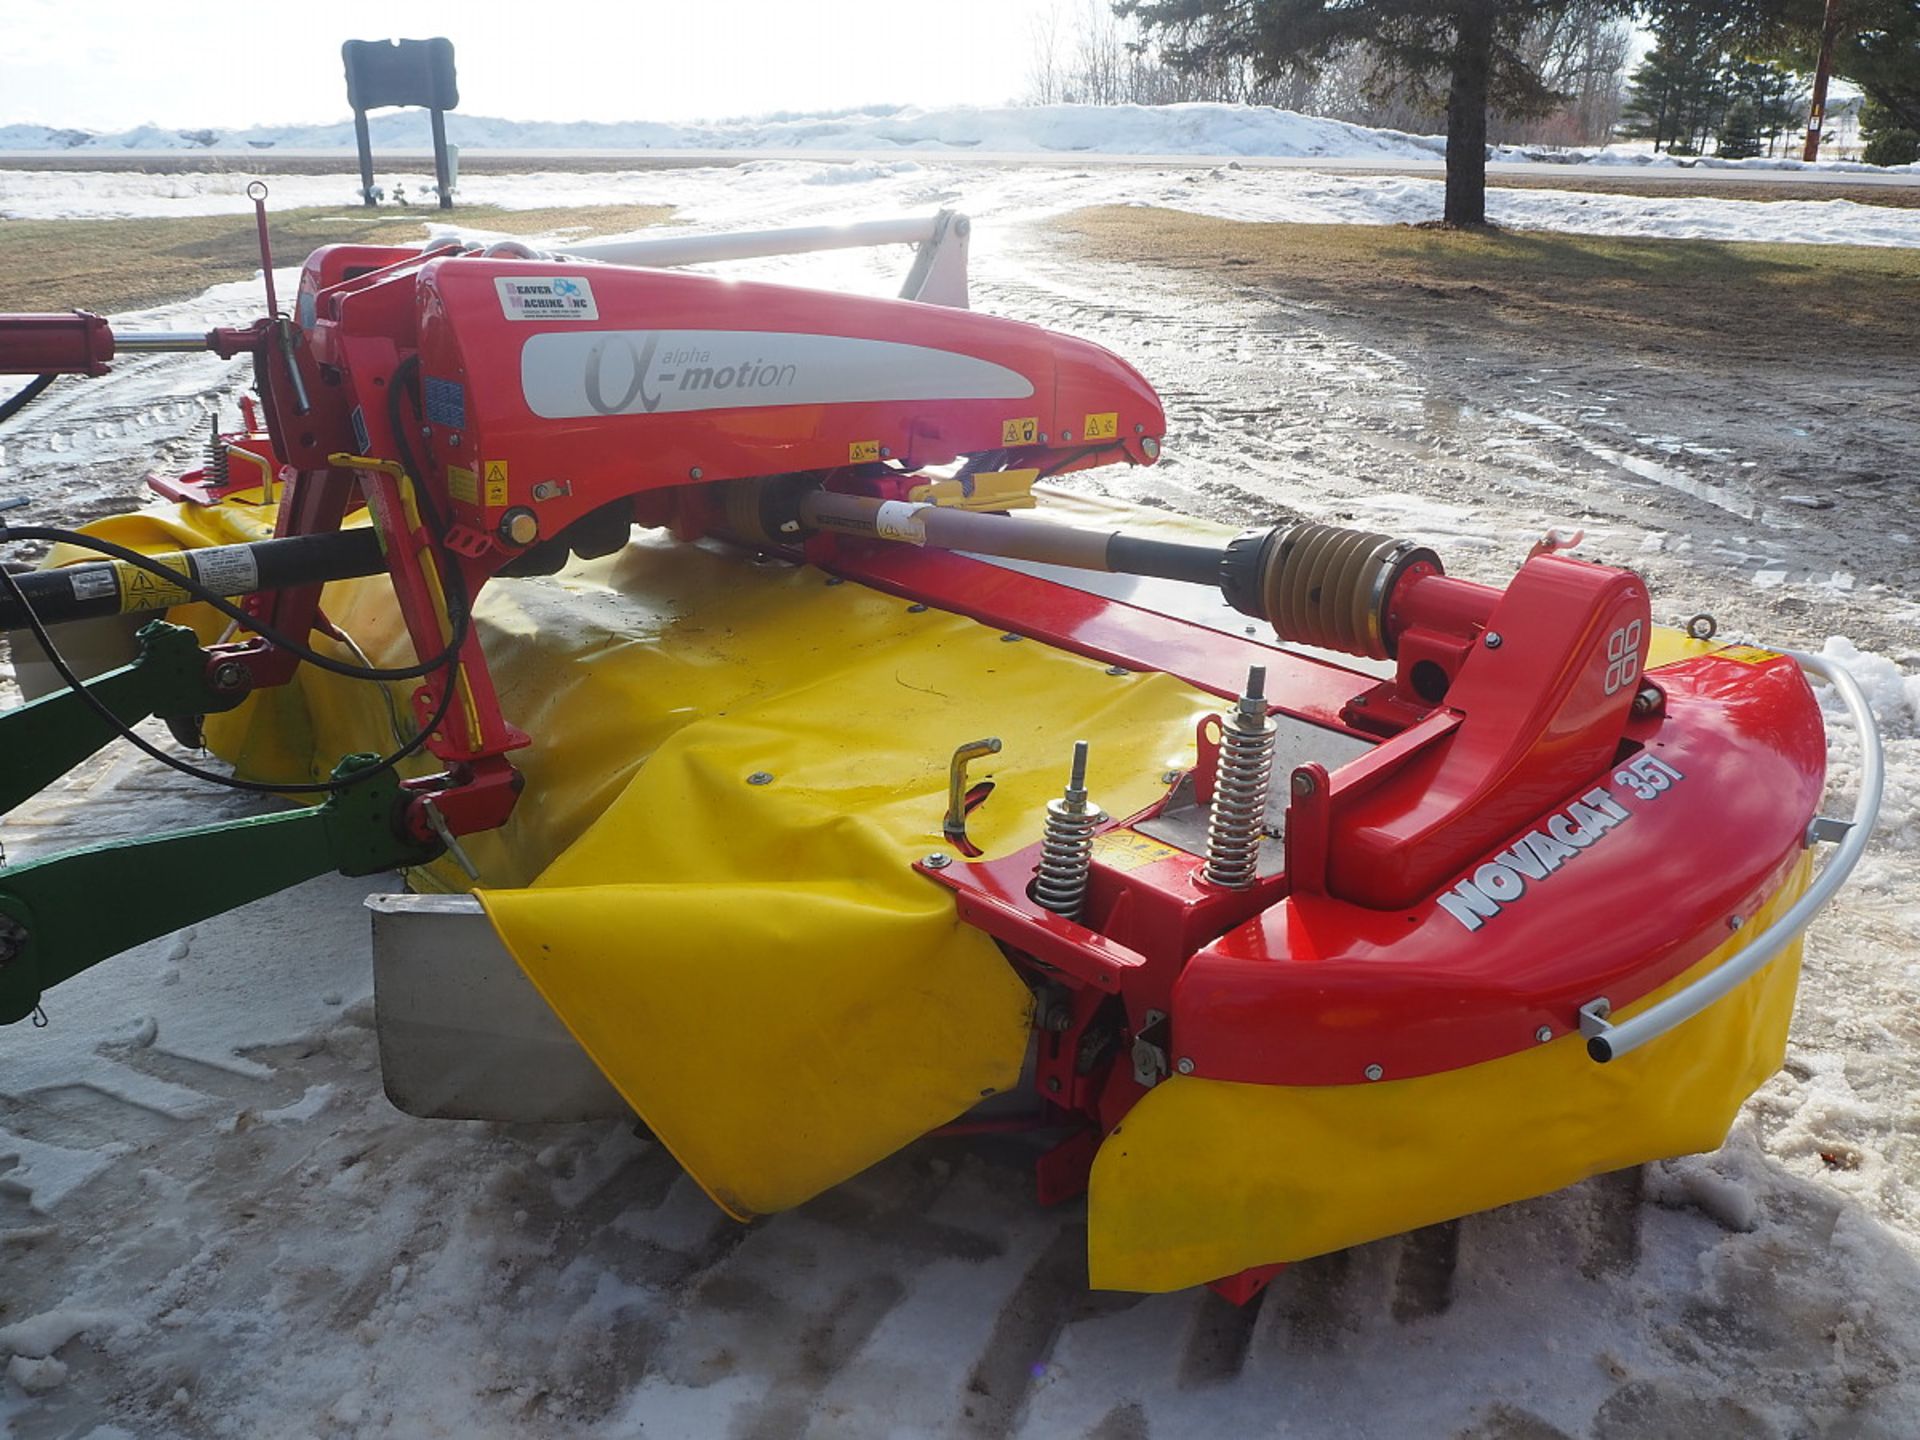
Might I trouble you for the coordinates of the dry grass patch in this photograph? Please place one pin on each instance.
(115, 265)
(1711, 298)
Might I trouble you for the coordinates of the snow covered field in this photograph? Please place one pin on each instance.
(1190, 129)
(214, 1224)
(762, 192)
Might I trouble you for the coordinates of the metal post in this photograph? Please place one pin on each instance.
(441, 171)
(366, 156)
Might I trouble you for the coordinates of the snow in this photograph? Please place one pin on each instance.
(1194, 129)
(1641, 154)
(216, 1224)
(1894, 695)
(762, 192)
(39, 1336)
(1188, 129)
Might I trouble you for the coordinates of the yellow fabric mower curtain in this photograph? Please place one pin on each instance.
(755, 966)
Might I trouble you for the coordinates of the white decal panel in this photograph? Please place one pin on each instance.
(569, 375)
(547, 297)
(1539, 854)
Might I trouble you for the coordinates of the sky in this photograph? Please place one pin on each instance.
(112, 64)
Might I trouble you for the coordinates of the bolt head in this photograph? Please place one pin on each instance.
(1303, 782)
(1374, 1072)
(1010, 637)
(760, 777)
(938, 860)
(1170, 777)
(1150, 447)
(1184, 1065)
(230, 675)
(1492, 640)
(1053, 1084)
(1118, 670)
(1543, 1034)
(1734, 922)
(696, 473)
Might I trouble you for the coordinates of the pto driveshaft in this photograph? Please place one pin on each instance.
(117, 587)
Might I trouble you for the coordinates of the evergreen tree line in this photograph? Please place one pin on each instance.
(1692, 90)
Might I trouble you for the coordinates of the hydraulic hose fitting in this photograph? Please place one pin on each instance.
(1237, 820)
(1066, 844)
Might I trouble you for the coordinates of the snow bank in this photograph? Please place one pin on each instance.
(1636, 153)
(1197, 129)
(1190, 129)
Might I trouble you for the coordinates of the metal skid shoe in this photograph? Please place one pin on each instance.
(66, 913)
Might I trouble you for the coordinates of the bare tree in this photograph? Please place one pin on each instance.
(1084, 54)
(1044, 67)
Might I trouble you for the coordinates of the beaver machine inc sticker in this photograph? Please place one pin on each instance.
(546, 297)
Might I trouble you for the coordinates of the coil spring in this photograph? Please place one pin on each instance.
(1237, 821)
(1066, 857)
(213, 469)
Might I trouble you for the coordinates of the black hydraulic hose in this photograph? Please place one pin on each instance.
(24, 396)
(173, 762)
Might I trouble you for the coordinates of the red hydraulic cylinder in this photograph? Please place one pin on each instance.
(75, 343)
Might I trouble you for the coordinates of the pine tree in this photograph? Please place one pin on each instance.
(1888, 141)
(1740, 131)
(1677, 94)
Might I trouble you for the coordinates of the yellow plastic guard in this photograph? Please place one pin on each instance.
(991, 490)
(1205, 1178)
(758, 969)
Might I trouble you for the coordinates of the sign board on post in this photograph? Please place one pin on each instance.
(402, 72)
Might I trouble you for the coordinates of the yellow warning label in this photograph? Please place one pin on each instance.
(861, 451)
(1746, 654)
(143, 590)
(463, 484)
(1020, 432)
(1104, 426)
(1130, 850)
(496, 482)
